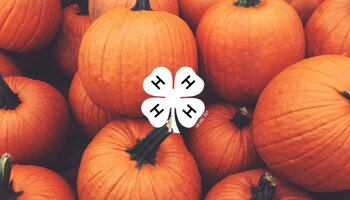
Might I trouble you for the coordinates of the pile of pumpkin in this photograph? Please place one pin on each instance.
(277, 98)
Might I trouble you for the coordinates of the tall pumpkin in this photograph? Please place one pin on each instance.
(301, 124)
(125, 163)
(28, 25)
(7, 66)
(124, 46)
(305, 8)
(33, 119)
(239, 55)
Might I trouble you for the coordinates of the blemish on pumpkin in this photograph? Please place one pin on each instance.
(346, 94)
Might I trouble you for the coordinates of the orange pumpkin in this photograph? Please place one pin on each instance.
(124, 46)
(28, 25)
(75, 23)
(7, 66)
(301, 124)
(34, 118)
(325, 36)
(239, 55)
(91, 118)
(126, 164)
(305, 8)
(255, 185)
(232, 151)
(26, 182)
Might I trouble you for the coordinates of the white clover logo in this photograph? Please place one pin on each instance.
(173, 99)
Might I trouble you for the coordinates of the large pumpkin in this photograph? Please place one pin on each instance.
(75, 23)
(222, 143)
(7, 66)
(123, 47)
(123, 163)
(33, 119)
(239, 55)
(305, 8)
(325, 36)
(27, 25)
(27, 182)
(301, 124)
(255, 185)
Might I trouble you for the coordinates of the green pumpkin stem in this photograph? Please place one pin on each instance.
(247, 3)
(8, 99)
(241, 119)
(142, 5)
(266, 188)
(84, 7)
(145, 150)
(346, 94)
(6, 185)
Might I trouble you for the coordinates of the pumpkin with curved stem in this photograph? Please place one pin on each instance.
(239, 54)
(305, 8)
(255, 185)
(301, 124)
(75, 23)
(233, 151)
(131, 44)
(28, 25)
(128, 164)
(34, 118)
(7, 66)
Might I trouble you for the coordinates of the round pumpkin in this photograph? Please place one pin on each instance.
(90, 118)
(301, 124)
(239, 55)
(7, 66)
(27, 182)
(123, 47)
(127, 163)
(305, 8)
(34, 118)
(75, 23)
(255, 185)
(222, 142)
(325, 36)
(28, 25)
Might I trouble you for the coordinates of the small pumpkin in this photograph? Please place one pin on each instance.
(123, 47)
(34, 118)
(305, 8)
(27, 182)
(7, 66)
(238, 63)
(301, 124)
(125, 163)
(75, 23)
(255, 185)
(28, 25)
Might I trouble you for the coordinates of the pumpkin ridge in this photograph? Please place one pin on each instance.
(346, 94)
(142, 5)
(6, 185)
(266, 188)
(247, 3)
(8, 99)
(241, 119)
(84, 7)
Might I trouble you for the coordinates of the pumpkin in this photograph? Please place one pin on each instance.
(28, 25)
(305, 8)
(91, 118)
(232, 150)
(255, 185)
(19, 182)
(301, 124)
(34, 118)
(238, 63)
(127, 162)
(123, 47)
(7, 66)
(324, 36)
(98, 8)
(75, 23)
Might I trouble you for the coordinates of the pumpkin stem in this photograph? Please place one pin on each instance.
(6, 185)
(145, 150)
(241, 119)
(142, 5)
(247, 3)
(84, 7)
(346, 94)
(8, 99)
(266, 188)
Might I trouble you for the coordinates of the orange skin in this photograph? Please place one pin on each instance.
(238, 186)
(325, 36)
(38, 183)
(69, 38)
(98, 8)
(301, 124)
(305, 8)
(7, 66)
(28, 25)
(90, 118)
(131, 44)
(106, 164)
(239, 56)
